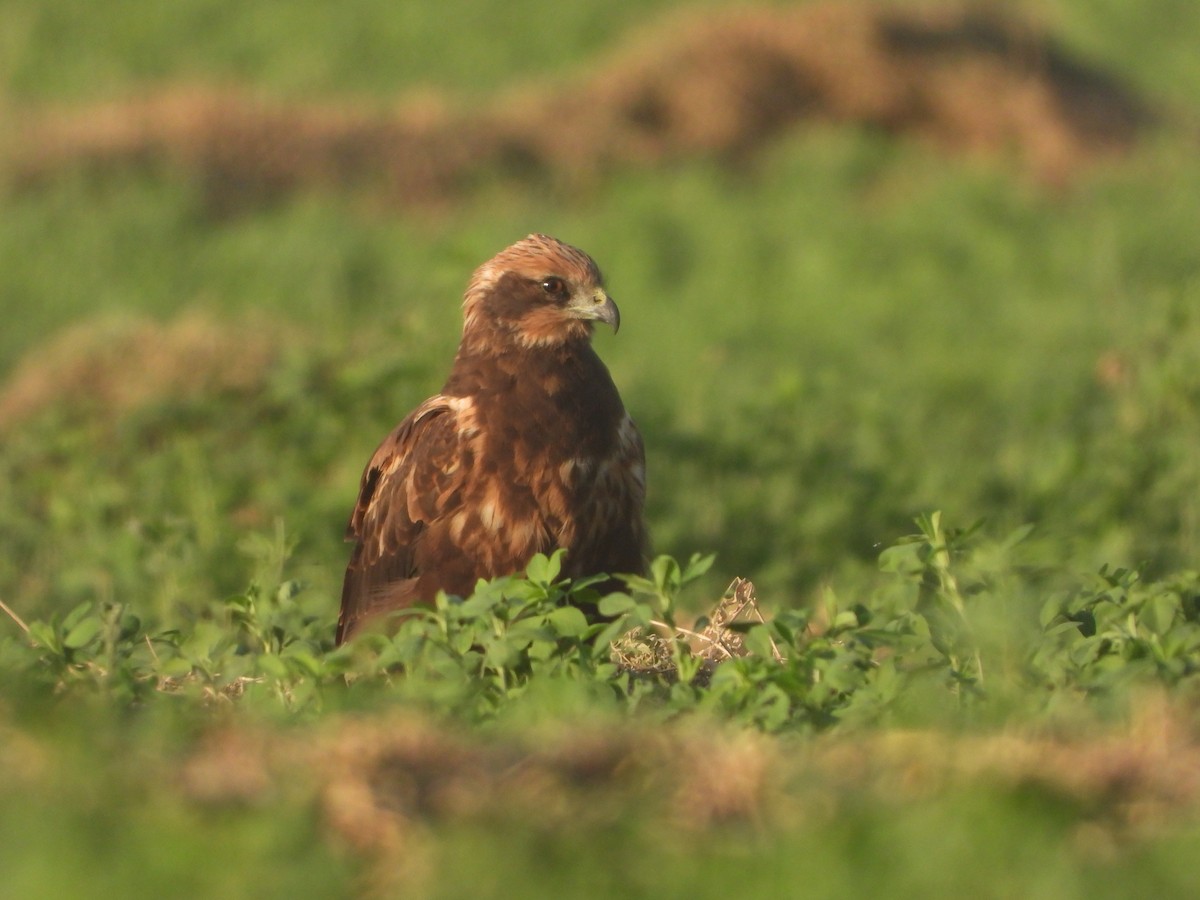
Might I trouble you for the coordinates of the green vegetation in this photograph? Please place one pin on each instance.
(820, 347)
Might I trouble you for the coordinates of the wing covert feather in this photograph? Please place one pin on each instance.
(413, 479)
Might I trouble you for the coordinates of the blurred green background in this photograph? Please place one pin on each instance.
(837, 324)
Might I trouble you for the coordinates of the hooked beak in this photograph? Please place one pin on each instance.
(597, 306)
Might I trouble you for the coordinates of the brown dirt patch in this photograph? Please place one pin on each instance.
(717, 86)
(385, 777)
(117, 365)
(386, 784)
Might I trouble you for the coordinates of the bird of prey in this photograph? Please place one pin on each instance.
(527, 448)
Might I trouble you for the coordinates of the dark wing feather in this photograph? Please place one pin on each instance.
(413, 479)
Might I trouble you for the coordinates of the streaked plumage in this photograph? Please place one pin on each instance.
(526, 449)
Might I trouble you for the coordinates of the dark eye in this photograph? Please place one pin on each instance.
(554, 286)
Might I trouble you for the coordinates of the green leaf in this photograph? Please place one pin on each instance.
(568, 621)
(773, 708)
(44, 635)
(528, 629)
(175, 668)
(288, 590)
(579, 584)
(901, 559)
(271, 666)
(844, 620)
(641, 614)
(665, 571)
(477, 604)
(75, 616)
(758, 642)
(305, 663)
(639, 584)
(1160, 612)
(1050, 611)
(697, 566)
(83, 633)
(615, 604)
(240, 601)
(1016, 536)
(605, 634)
(542, 569)
(502, 655)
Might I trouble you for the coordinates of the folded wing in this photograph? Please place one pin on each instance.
(413, 481)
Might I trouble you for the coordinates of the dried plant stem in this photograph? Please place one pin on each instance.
(678, 629)
(12, 615)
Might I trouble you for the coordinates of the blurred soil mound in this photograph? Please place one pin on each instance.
(716, 85)
(384, 784)
(115, 366)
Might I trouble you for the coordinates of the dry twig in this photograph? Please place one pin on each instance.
(12, 615)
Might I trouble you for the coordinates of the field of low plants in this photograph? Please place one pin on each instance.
(910, 325)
